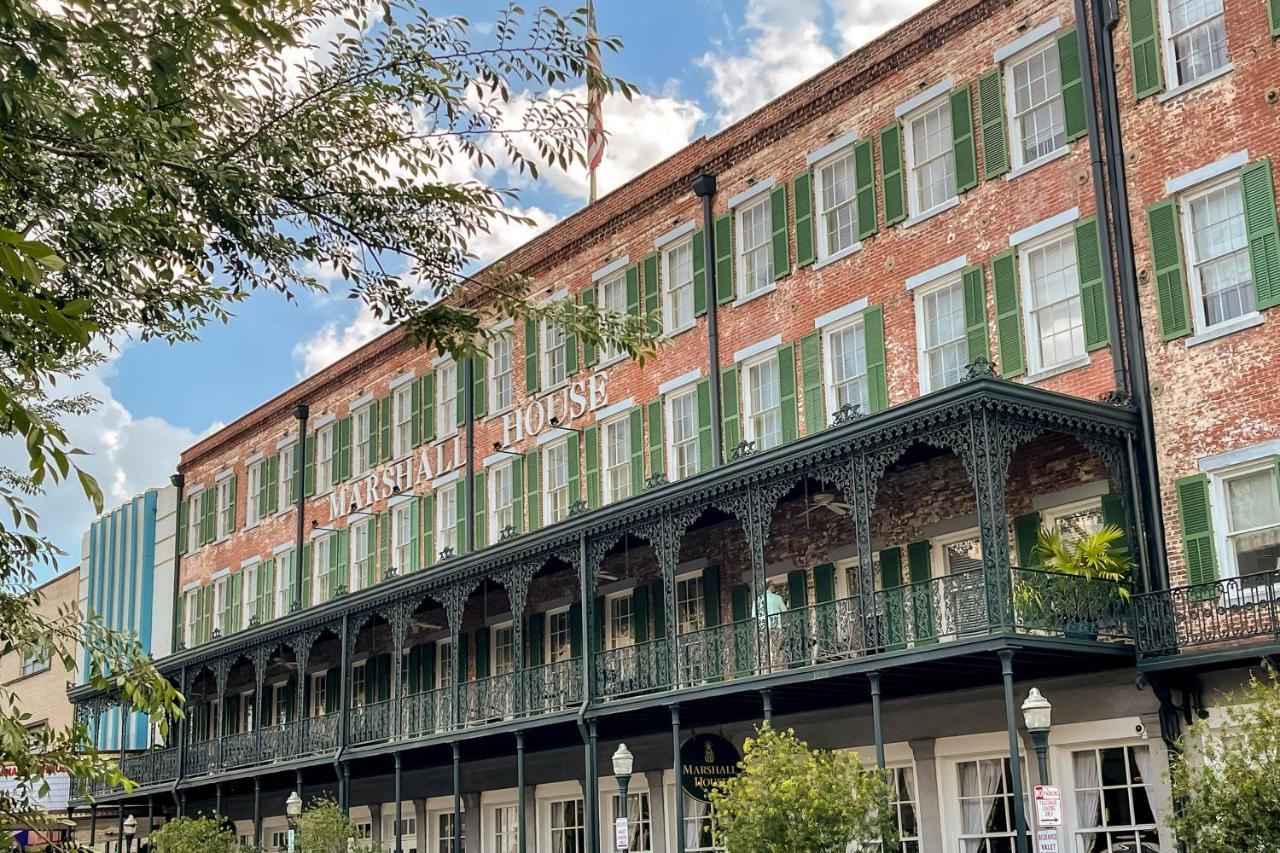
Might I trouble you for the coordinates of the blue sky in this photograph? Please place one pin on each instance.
(699, 65)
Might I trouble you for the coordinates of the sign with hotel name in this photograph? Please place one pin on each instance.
(415, 472)
(705, 762)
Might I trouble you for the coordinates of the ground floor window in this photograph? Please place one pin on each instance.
(568, 826)
(639, 821)
(902, 802)
(986, 805)
(504, 829)
(699, 827)
(1113, 801)
(442, 828)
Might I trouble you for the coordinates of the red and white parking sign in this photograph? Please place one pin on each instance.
(1048, 805)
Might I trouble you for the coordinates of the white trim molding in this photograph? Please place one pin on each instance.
(1239, 456)
(224, 474)
(323, 421)
(1044, 226)
(610, 268)
(402, 379)
(680, 381)
(282, 547)
(844, 312)
(1027, 39)
(360, 402)
(940, 271)
(553, 434)
(498, 457)
(757, 348)
(614, 409)
(445, 479)
(250, 561)
(1208, 172)
(834, 146)
(286, 441)
(750, 193)
(942, 87)
(675, 234)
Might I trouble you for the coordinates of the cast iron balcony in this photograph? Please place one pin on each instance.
(1222, 615)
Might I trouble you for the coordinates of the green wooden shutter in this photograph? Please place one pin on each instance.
(635, 435)
(460, 375)
(877, 376)
(1004, 281)
(183, 511)
(309, 467)
(574, 453)
(1144, 48)
(479, 389)
(725, 285)
(711, 595)
(1026, 530)
(1197, 529)
(798, 589)
(597, 624)
(1166, 263)
(634, 304)
(1093, 293)
(977, 339)
(385, 449)
(864, 183)
(262, 589)
(890, 568)
(705, 447)
(1073, 114)
(517, 496)
(802, 190)
(1261, 229)
(787, 392)
(296, 485)
(962, 139)
(208, 509)
(480, 518)
(428, 658)
(781, 243)
(570, 354)
(657, 447)
(383, 532)
(895, 189)
(206, 612)
(729, 413)
(995, 149)
(588, 299)
(463, 675)
(482, 652)
(918, 562)
(1273, 12)
(427, 413)
(415, 406)
(1113, 512)
(531, 356)
(418, 521)
(414, 680)
(699, 247)
(308, 572)
(652, 291)
(427, 524)
(180, 622)
(815, 417)
(463, 524)
(343, 564)
(824, 583)
(659, 610)
(591, 442)
(235, 597)
(537, 630)
(343, 448)
(234, 490)
(640, 613)
(919, 571)
(533, 495)
(575, 629)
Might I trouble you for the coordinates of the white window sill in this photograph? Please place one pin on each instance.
(671, 333)
(442, 438)
(1057, 370)
(764, 291)
(838, 256)
(1196, 83)
(1239, 324)
(1036, 164)
(610, 361)
(954, 201)
(499, 412)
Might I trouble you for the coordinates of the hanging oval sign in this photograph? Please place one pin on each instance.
(705, 761)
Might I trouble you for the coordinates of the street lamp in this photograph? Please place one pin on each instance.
(623, 761)
(130, 830)
(293, 811)
(1036, 713)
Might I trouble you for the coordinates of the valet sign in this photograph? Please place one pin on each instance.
(705, 762)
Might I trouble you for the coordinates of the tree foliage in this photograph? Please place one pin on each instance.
(1225, 778)
(201, 834)
(789, 797)
(324, 828)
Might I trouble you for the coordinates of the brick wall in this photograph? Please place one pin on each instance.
(43, 695)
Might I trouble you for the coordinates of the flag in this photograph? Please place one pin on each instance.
(595, 97)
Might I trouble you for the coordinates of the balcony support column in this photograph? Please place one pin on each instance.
(301, 646)
(398, 618)
(457, 796)
(877, 721)
(987, 458)
(221, 670)
(261, 658)
(665, 536)
(120, 822)
(217, 799)
(397, 827)
(1015, 760)
(766, 698)
(754, 508)
(344, 789)
(455, 603)
(521, 844)
(297, 783)
(677, 771)
(181, 732)
(93, 823)
(257, 812)
(591, 790)
(515, 581)
(151, 815)
(860, 493)
(345, 651)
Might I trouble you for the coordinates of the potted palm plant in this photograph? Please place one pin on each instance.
(1082, 584)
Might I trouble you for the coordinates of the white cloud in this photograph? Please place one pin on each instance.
(860, 21)
(783, 41)
(126, 455)
(331, 343)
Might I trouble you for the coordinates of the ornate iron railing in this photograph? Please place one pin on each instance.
(240, 749)
(831, 630)
(632, 670)
(319, 734)
(278, 742)
(371, 722)
(427, 712)
(200, 757)
(488, 700)
(1070, 606)
(722, 651)
(152, 766)
(551, 687)
(1227, 610)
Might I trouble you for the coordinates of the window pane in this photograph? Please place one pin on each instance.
(679, 285)
(685, 460)
(755, 247)
(1055, 296)
(1037, 104)
(848, 364)
(1200, 37)
(836, 205)
(765, 404)
(1220, 254)
(945, 346)
(932, 158)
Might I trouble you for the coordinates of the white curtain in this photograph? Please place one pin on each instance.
(1088, 797)
(693, 813)
(979, 777)
(1159, 804)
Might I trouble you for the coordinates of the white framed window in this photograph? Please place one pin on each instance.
(902, 804)
(504, 649)
(252, 505)
(322, 563)
(359, 683)
(559, 635)
(447, 518)
(319, 693)
(248, 593)
(555, 477)
(442, 832)
(755, 247)
(1195, 39)
(844, 353)
(1051, 283)
(956, 553)
(405, 537)
(567, 825)
(194, 516)
(408, 830)
(221, 601)
(615, 462)
(1217, 247)
(284, 582)
(37, 658)
(362, 427)
(941, 333)
(287, 471)
(691, 614)
(639, 820)
(226, 507)
(1113, 798)
(402, 416)
(620, 620)
(500, 373)
(677, 286)
(1033, 95)
(501, 500)
(836, 198)
(1246, 507)
(324, 459)
(683, 453)
(245, 718)
(554, 355)
(446, 399)
(931, 162)
(191, 614)
(504, 828)
(361, 554)
(611, 296)
(1075, 520)
(985, 796)
(444, 664)
(762, 402)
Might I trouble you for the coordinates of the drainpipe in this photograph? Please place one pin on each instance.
(181, 731)
(344, 701)
(468, 401)
(589, 786)
(704, 187)
(1100, 203)
(300, 412)
(1106, 17)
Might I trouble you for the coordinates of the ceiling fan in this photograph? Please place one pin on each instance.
(828, 500)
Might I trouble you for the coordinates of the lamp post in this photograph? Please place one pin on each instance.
(623, 761)
(1036, 713)
(130, 830)
(293, 810)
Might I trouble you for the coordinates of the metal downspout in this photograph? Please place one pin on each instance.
(704, 186)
